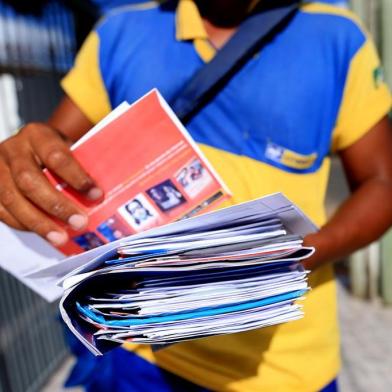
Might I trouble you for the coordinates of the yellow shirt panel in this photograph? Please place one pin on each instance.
(366, 98)
(84, 84)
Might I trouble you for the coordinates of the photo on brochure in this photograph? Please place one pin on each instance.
(194, 178)
(166, 195)
(113, 229)
(88, 240)
(139, 213)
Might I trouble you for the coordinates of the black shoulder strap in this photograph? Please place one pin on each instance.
(255, 32)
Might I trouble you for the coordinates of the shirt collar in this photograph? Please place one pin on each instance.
(189, 25)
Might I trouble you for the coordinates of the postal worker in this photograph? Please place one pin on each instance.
(315, 89)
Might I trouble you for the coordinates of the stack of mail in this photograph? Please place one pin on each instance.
(224, 272)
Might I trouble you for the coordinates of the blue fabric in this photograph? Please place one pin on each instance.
(310, 58)
(123, 371)
(332, 387)
(339, 2)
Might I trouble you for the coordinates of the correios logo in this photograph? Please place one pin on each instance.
(274, 152)
(289, 158)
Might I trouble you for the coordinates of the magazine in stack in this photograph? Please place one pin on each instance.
(224, 272)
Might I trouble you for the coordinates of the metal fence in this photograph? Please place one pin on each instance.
(35, 51)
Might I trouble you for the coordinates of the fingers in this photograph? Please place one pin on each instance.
(25, 192)
(54, 153)
(9, 220)
(31, 183)
(18, 212)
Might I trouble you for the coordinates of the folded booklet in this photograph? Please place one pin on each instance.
(227, 271)
(153, 173)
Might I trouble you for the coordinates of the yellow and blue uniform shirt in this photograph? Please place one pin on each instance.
(315, 89)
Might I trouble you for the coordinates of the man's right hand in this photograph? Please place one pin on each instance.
(25, 192)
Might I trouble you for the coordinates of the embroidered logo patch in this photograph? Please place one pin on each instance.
(289, 158)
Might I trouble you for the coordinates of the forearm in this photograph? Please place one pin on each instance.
(69, 120)
(360, 220)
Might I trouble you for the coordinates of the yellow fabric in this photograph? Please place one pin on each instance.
(297, 161)
(365, 98)
(323, 8)
(189, 26)
(249, 179)
(205, 50)
(365, 101)
(84, 84)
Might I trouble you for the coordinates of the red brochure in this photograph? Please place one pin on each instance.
(150, 169)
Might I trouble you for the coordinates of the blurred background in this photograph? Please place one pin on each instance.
(38, 42)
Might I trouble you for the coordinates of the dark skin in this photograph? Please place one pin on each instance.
(361, 219)
(367, 213)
